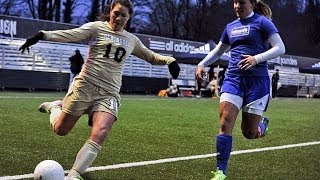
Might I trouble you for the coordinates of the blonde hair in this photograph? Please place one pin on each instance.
(262, 8)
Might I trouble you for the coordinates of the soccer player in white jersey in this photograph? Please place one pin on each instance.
(247, 84)
(95, 91)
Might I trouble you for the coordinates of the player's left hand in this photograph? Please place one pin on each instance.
(31, 41)
(174, 69)
(247, 62)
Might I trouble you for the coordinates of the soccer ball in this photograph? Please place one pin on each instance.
(48, 170)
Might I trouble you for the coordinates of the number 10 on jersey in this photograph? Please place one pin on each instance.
(118, 55)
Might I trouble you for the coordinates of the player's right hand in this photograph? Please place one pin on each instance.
(174, 69)
(200, 71)
(31, 41)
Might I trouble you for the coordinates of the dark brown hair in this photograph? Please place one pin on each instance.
(262, 8)
(127, 3)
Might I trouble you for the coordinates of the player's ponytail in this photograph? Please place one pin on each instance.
(262, 8)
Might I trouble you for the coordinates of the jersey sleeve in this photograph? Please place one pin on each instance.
(85, 32)
(268, 28)
(141, 51)
(224, 37)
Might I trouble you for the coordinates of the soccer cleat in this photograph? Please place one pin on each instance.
(218, 175)
(73, 178)
(265, 120)
(198, 96)
(46, 106)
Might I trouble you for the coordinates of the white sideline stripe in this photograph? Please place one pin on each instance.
(123, 98)
(26, 97)
(159, 161)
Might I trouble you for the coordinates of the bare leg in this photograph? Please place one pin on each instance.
(102, 124)
(249, 125)
(64, 123)
(61, 122)
(228, 116)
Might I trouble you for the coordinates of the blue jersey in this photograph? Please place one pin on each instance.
(248, 37)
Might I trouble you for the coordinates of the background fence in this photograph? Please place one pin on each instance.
(54, 57)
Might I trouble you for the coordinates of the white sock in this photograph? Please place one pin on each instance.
(55, 112)
(85, 158)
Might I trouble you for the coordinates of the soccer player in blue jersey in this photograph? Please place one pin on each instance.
(96, 90)
(252, 39)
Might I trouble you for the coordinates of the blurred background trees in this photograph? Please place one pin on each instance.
(199, 20)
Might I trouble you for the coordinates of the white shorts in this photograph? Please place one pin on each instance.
(85, 98)
(256, 107)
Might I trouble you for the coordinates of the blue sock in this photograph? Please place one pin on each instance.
(262, 128)
(224, 146)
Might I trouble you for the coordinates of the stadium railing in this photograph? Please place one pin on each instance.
(54, 57)
(185, 85)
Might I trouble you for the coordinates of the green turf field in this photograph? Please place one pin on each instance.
(151, 128)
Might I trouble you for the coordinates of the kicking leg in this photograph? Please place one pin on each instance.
(253, 125)
(61, 122)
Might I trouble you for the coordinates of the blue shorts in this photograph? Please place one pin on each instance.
(250, 88)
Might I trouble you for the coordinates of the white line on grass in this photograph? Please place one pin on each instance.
(31, 97)
(160, 161)
(125, 97)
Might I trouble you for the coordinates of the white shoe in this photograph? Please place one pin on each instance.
(46, 106)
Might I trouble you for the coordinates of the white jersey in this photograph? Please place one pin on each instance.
(108, 51)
